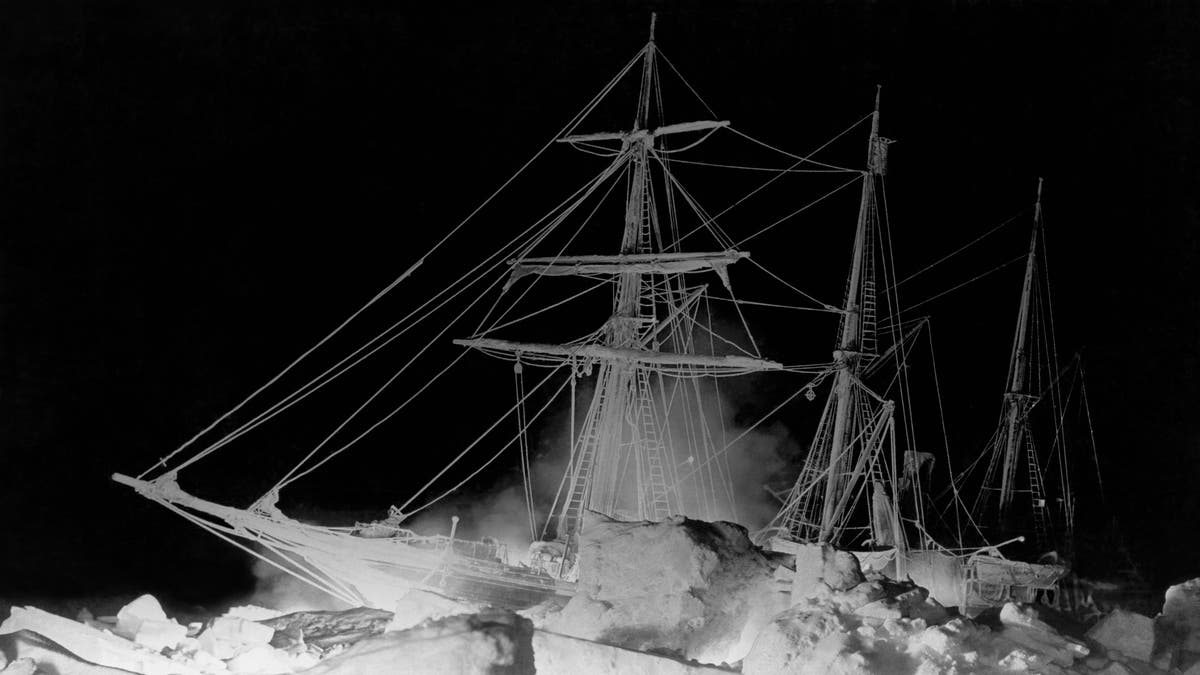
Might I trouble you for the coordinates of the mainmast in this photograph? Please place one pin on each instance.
(1017, 399)
(847, 356)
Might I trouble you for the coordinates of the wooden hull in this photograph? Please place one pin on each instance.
(371, 571)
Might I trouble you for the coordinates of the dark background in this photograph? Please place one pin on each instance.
(192, 193)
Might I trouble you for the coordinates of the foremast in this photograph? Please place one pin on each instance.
(621, 381)
(619, 462)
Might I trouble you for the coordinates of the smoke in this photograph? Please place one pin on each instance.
(278, 590)
(742, 461)
(499, 512)
(734, 478)
(765, 456)
(754, 455)
(708, 480)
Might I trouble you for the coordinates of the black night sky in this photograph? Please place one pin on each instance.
(192, 193)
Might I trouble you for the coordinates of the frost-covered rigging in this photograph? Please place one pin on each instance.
(641, 378)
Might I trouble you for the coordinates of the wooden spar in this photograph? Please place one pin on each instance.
(646, 135)
(622, 355)
(1016, 398)
(675, 313)
(620, 432)
(643, 263)
(173, 494)
(846, 356)
(729, 256)
(869, 451)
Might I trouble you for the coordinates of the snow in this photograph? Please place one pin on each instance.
(678, 597)
(817, 564)
(260, 659)
(160, 635)
(1022, 627)
(1126, 632)
(686, 587)
(884, 626)
(419, 605)
(253, 613)
(563, 655)
(1181, 610)
(22, 666)
(131, 616)
(229, 636)
(91, 644)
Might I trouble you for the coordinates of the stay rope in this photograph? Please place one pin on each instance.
(553, 397)
(294, 474)
(570, 125)
(497, 260)
(956, 251)
(776, 177)
(523, 446)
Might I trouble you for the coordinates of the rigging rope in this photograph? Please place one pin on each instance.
(408, 272)
(325, 377)
(710, 224)
(968, 281)
(576, 296)
(571, 439)
(622, 161)
(956, 251)
(807, 158)
(523, 446)
(717, 165)
(960, 506)
(752, 427)
(288, 478)
(824, 305)
(803, 208)
(777, 177)
(463, 453)
(893, 299)
(1091, 432)
(777, 305)
(683, 79)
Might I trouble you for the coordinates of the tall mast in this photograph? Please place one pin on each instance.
(1016, 399)
(618, 382)
(848, 352)
(619, 463)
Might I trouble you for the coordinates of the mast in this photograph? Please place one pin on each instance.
(1016, 398)
(621, 464)
(618, 382)
(849, 349)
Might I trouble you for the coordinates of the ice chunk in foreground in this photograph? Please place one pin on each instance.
(686, 587)
(131, 616)
(1126, 632)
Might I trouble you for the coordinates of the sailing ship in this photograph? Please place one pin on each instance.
(648, 447)
(647, 444)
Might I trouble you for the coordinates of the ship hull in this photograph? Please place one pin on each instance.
(371, 571)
